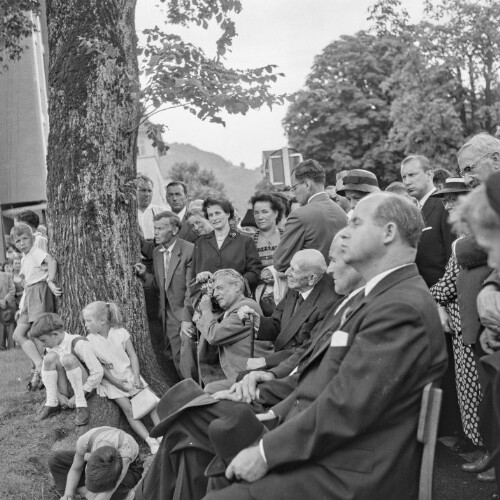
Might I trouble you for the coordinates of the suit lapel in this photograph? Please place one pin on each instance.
(428, 208)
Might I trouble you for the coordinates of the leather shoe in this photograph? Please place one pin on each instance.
(487, 476)
(82, 416)
(46, 412)
(477, 465)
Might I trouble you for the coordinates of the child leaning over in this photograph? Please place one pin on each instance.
(70, 370)
(39, 270)
(112, 469)
(113, 346)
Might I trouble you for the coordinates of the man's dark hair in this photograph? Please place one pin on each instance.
(273, 201)
(46, 324)
(103, 469)
(173, 218)
(310, 169)
(178, 183)
(440, 175)
(396, 187)
(226, 205)
(28, 217)
(402, 212)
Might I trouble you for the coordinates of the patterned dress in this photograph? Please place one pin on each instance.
(469, 394)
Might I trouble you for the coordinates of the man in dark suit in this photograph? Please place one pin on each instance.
(434, 249)
(311, 294)
(172, 274)
(315, 223)
(349, 428)
(177, 198)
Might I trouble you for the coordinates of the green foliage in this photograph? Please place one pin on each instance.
(265, 186)
(15, 27)
(201, 183)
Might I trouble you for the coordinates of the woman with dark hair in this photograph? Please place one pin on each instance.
(224, 247)
(268, 212)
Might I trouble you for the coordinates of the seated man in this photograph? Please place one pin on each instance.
(349, 428)
(70, 370)
(310, 296)
(226, 331)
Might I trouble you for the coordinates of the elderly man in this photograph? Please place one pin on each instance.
(316, 222)
(226, 331)
(310, 296)
(177, 198)
(434, 249)
(348, 429)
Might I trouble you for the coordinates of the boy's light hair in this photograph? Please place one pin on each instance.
(103, 469)
(46, 324)
(21, 229)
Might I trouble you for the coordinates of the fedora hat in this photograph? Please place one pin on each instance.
(452, 185)
(183, 395)
(359, 180)
(231, 434)
(493, 191)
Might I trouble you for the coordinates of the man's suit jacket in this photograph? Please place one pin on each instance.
(185, 232)
(233, 339)
(349, 428)
(291, 330)
(311, 226)
(179, 275)
(434, 248)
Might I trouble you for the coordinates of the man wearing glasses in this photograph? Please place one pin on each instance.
(316, 222)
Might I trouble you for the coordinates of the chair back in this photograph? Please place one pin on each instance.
(427, 435)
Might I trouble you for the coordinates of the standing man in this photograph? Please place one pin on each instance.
(177, 198)
(145, 209)
(434, 249)
(172, 274)
(316, 222)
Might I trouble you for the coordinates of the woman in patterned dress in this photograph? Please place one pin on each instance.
(445, 294)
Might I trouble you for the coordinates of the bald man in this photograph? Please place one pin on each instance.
(311, 294)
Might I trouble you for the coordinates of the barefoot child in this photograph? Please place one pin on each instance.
(70, 372)
(106, 462)
(39, 270)
(113, 346)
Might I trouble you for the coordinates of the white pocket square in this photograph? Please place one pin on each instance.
(339, 339)
(428, 228)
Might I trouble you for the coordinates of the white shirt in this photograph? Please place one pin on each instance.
(182, 213)
(306, 294)
(40, 241)
(167, 252)
(425, 198)
(146, 219)
(377, 279)
(33, 268)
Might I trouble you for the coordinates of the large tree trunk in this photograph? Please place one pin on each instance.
(94, 113)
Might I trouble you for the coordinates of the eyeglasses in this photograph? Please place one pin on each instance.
(469, 169)
(295, 185)
(449, 201)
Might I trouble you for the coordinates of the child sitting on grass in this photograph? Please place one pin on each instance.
(113, 346)
(39, 270)
(70, 371)
(106, 462)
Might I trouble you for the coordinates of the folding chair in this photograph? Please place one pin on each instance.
(427, 434)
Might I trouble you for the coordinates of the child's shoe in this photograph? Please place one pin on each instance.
(153, 445)
(82, 415)
(46, 412)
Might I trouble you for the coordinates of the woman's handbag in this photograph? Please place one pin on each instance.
(144, 402)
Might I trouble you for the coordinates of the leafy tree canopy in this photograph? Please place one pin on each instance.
(200, 183)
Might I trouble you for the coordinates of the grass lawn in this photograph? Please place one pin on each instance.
(25, 445)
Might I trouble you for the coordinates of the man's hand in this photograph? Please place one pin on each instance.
(256, 363)
(490, 341)
(205, 304)
(445, 318)
(246, 312)
(187, 329)
(140, 269)
(248, 465)
(488, 308)
(203, 277)
(266, 276)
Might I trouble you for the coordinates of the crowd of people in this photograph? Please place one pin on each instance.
(298, 338)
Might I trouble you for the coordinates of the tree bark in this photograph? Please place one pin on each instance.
(92, 214)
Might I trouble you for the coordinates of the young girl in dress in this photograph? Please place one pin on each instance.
(113, 347)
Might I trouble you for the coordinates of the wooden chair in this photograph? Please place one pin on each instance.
(427, 434)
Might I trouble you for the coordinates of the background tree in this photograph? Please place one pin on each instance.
(201, 183)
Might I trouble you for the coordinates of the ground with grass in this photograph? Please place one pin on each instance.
(25, 444)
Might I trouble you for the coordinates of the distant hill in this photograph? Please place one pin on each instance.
(239, 182)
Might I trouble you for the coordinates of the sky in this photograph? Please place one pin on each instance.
(288, 33)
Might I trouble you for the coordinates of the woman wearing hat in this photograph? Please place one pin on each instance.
(357, 184)
(446, 295)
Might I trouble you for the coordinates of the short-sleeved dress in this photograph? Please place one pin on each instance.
(108, 436)
(113, 356)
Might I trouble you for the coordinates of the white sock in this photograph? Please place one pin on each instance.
(76, 380)
(49, 379)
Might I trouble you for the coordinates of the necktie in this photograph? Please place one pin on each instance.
(166, 261)
(298, 303)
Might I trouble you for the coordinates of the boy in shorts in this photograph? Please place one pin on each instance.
(70, 370)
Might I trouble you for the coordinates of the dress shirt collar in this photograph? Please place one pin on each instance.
(316, 194)
(181, 214)
(306, 294)
(377, 279)
(348, 298)
(425, 198)
(169, 249)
